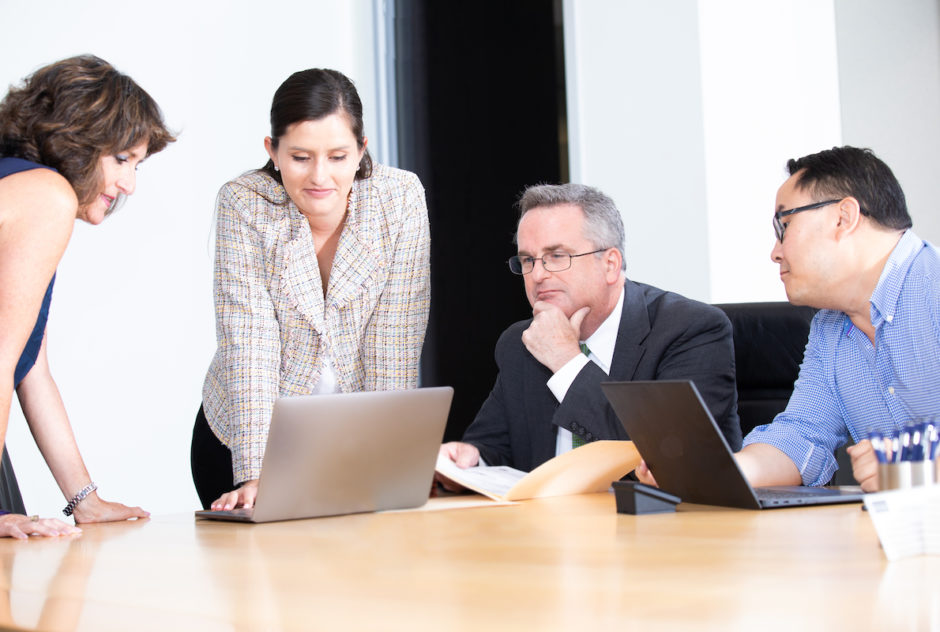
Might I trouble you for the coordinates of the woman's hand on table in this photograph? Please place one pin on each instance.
(21, 527)
(244, 496)
(94, 509)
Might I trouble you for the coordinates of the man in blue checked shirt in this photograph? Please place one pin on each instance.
(872, 362)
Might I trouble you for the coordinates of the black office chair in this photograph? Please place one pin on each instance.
(769, 340)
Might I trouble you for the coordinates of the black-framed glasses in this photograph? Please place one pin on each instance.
(780, 228)
(552, 262)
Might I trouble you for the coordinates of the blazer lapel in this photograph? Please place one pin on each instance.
(354, 264)
(301, 274)
(632, 333)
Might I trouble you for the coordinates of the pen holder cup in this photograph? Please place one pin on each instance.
(906, 474)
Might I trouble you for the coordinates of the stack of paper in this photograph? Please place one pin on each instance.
(907, 520)
(590, 468)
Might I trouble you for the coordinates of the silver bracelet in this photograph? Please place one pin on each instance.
(79, 497)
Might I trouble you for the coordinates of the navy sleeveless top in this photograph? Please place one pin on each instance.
(9, 166)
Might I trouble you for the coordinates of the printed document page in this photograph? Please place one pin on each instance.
(494, 481)
(588, 469)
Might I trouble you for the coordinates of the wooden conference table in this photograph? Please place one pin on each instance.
(567, 563)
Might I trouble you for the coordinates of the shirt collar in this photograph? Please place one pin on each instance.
(602, 342)
(884, 300)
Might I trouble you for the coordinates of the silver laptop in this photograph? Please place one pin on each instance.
(686, 452)
(347, 453)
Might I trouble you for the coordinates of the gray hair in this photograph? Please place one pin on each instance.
(603, 224)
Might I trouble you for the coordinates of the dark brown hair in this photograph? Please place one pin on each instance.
(69, 114)
(851, 171)
(313, 94)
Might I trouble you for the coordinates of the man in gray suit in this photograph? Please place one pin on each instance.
(590, 324)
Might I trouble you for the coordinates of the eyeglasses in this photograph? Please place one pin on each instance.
(552, 262)
(780, 228)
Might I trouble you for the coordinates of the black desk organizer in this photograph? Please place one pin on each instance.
(637, 499)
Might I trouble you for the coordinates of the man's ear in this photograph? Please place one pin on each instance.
(850, 216)
(613, 262)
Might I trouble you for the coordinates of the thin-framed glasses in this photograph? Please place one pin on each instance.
(552, 262)
(780, 228)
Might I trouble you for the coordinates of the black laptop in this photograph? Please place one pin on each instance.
(677, 437)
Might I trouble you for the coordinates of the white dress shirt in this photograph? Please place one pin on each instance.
(601, 344)
(327, 383)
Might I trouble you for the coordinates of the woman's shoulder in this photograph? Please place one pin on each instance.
(255, 193)
(391, 179)
(255, 183)
(390, 192)
(40, 189)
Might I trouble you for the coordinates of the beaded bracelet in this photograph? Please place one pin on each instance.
(79, 497)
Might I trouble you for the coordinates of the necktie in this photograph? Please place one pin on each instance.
(576, 441)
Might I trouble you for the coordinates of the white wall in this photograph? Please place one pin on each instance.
(685, 112)
(132, 329)
(770, 92)
(636, 130)
(889, 76)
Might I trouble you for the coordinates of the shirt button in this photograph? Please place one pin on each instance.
(891, 390)
(889, 318)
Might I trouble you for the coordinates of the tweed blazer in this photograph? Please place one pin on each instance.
(273, 324)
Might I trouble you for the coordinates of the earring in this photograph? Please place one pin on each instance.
(276, 168)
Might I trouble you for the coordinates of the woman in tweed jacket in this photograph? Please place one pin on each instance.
(321, 280)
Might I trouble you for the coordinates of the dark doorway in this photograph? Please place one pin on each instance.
(481, 103)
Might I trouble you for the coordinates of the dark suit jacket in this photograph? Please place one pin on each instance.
(662, 336)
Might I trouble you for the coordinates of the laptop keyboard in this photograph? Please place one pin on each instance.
(804, 495)
(771, 492)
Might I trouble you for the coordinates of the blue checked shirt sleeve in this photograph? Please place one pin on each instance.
(246, 363)
(393, 338)
(813, 424)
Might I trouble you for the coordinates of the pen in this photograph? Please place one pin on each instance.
(917, 442)
(878, 445)
(895, 451)
(905, 441)
(931, 439)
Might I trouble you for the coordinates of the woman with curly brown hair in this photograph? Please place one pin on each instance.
(71, 138)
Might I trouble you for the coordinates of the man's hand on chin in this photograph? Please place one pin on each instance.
(552, 338)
